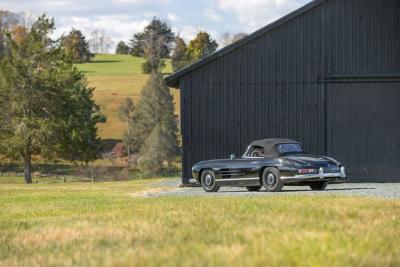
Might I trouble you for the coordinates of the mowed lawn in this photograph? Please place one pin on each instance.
(113, 224)
(114, 78)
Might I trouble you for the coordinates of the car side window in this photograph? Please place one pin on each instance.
(254, 152)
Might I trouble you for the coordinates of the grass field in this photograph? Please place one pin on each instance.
(116, 77)
(97, 224)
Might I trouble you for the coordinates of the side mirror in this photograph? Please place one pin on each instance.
(232, 156)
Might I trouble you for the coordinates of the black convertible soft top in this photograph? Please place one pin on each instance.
(269, 145)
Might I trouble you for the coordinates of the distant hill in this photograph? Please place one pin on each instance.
(114, 78)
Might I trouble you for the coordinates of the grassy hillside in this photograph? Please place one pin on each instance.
(116, 77)
(112, 224)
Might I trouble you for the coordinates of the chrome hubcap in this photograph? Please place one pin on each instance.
(208, 180)
(270, 179)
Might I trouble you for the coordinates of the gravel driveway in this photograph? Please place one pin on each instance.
(379, 190)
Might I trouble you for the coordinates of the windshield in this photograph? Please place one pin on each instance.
(289, 148)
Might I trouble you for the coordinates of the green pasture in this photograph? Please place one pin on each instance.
(116, 224)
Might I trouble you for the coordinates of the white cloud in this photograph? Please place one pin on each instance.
(122, 18)
(116, 27)
(172, 17)
(211, 14)
(188, 33)
(255, 14)
(153, 2)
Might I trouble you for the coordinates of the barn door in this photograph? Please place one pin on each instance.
(363, 129)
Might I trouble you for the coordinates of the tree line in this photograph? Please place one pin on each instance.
(47, 108)
(173, 46)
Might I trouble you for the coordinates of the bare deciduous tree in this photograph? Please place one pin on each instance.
(153, 52)
(229, 38)
(126, 113)
(99, 42)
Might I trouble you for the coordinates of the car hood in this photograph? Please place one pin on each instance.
(310, 160)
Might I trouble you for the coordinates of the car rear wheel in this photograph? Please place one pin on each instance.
(318, 186)
(208, 181)
(253, 188)
(271, 180)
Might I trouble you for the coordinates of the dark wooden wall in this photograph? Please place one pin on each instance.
(275, 85)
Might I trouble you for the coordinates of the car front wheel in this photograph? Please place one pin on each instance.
(271, 180)
(208, 181)
(318, 186)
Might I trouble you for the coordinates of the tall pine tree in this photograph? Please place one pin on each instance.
(76, 47)
(178, 58)
(158, 28)
(155, 109)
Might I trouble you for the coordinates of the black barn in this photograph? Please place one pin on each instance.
(327, 75)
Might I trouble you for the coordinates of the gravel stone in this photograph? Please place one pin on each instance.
(374, 190)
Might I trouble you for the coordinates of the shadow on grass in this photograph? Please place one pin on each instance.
(105, 61)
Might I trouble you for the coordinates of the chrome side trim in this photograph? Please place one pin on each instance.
(237, 179)
(315, 175)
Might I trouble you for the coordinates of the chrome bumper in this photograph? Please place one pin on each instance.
(316, 176)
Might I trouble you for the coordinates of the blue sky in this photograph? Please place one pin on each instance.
(122, 18)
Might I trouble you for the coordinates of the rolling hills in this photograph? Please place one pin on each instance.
(114, 78)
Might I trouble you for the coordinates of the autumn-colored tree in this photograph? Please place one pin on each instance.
(202, 46)
(19, 34)
(119, 150)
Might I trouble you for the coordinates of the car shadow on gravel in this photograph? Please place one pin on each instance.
(302, 190)
(331, 189)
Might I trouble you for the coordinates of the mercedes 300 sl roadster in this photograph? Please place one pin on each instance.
(269, 163)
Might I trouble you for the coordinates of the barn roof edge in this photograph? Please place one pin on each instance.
(173, 79)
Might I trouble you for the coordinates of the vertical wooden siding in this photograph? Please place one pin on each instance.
(272, 86)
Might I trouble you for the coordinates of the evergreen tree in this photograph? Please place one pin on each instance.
(156, 108)
(122, 48)
(155, 28)
(153, 153)
(47, 108)
(201, 46)
(76, 47)
(178, 57)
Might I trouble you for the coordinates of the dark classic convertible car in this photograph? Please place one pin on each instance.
(271, 163)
